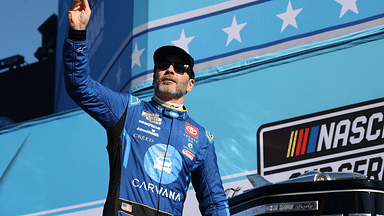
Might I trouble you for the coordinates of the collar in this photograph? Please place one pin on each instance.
(177, 107)
(170, 111)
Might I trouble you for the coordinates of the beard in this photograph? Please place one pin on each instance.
(169, 91)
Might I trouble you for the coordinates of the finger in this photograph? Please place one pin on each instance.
(80, 5)
(75, 5)
(86, 4)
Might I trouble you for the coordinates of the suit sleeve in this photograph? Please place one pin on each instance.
(103, 104)
(208, 185)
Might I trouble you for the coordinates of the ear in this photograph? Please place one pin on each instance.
(191, 83)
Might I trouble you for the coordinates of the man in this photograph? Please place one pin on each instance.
(155, 149)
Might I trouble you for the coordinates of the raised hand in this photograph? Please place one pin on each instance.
(79, 14)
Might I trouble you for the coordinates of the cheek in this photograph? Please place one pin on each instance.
(156, 76)
(155, 81)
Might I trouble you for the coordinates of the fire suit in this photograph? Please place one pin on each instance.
(155, 150)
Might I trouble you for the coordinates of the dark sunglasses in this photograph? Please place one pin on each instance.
(179, 68)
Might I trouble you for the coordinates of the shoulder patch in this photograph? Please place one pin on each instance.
(209, 136)
(133, 101)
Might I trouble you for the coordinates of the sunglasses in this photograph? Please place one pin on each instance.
(179, 68)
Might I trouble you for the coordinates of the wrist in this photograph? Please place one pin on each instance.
(77, 35)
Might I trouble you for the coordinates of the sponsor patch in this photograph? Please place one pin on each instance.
(151, 117)
(163, 163)
(209, 136)
(152, 132)
(149, 125)
(189, 148)
(142, 137)
(193, 131)
(346, 139)
(190, 138)
(189, 154)
(134, 101)
(157, 190)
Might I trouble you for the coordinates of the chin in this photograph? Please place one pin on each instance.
(166, 90)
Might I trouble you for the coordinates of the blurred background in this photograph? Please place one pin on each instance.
(27, 59)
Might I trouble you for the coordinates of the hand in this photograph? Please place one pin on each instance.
(79, 14)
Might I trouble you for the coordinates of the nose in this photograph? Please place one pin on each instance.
(170, 69)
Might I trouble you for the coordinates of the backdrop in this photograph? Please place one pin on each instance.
(258, 64)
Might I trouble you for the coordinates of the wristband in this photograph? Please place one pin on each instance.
(77, 35)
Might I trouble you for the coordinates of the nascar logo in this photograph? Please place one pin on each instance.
(301, 143)
(336, 134)
(349, 138)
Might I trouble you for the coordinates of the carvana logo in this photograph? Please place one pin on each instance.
(163, 163)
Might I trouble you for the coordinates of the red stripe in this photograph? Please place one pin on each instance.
(304, 148)
(297, 153)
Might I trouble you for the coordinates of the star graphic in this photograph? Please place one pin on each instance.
(118, 75)
(136, 56)
(289, 17)
(183, 41)
(234, 31)
(347, 5)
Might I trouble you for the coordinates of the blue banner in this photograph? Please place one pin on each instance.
(230, 32)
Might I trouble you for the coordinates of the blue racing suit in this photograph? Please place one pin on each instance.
(155, 150)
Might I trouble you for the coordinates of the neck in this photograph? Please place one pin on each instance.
(170, 103)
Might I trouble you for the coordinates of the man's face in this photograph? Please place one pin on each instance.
(171, 85)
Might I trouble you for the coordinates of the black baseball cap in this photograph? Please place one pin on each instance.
(163, 51)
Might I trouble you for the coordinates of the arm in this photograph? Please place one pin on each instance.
(208, 185)
(103, 104)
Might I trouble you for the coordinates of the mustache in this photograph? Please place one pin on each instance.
(164, 78)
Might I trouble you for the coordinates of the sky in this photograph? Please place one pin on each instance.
(19, 23)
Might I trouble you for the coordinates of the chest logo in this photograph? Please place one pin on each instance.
(193, 131)
(151, 117)
(163, 163)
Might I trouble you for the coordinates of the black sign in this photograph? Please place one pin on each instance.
(348, 139)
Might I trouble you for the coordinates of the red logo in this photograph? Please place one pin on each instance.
(189, 129)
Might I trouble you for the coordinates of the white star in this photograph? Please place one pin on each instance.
(347, 5)
(136, 56)
(234, 31)
(118, 75)
(183, 41)
(289, 16)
